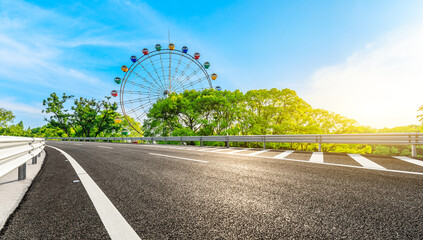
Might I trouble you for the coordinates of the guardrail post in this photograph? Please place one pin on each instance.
(34, 160)
(414, 150)
(319, 141)
(227, 141)
(181, 140)
(264, 142)
(165, 140)
(22, 172)
(201, 141)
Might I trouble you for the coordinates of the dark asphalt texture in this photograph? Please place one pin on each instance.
(230, 197)
(54, 207)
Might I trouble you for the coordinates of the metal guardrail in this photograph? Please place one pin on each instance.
(412, 139)
(16, 151)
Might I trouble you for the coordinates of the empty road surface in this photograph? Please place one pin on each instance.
(130, 191)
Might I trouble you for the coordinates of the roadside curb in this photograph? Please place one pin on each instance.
(13, 192)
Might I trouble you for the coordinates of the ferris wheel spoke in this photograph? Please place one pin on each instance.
(156, 95)
(143, 107)
(177, 66)
(145, 80)
(192, 83)
(148, 73)
(141, 99)
(134, 92)
(140, 107)
(183, 72)
(157, 73)
(164, 78)
(140, 118)
(189, 77)
(141, 86)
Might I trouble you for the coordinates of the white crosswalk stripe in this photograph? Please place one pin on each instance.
(365, 162)
(316, 157)
(410, 160)
(237, 151)
(200, 149)
(283, 154)
(257, 152)
(220, 149)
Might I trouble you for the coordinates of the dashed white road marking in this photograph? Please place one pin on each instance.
(105, 147)
(410, 160)
(365, 162)
(283, 154)
(115, 224)
(189, 159)
(316, 157)
(238, 151)
(204, 149)
(257, 152)
(220, 149)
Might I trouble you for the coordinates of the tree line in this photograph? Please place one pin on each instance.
(72, 117)
(207, 112)
(257, 112)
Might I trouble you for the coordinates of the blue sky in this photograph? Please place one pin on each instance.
(359, 58)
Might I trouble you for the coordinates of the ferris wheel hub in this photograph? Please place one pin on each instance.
(166, 93)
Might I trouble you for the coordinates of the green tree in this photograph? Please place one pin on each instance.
(401, 129)
(206, 112)
(16, 130)
(6, 117)
(60, 116)
(85, 118)
(48, 131)
(91, 117)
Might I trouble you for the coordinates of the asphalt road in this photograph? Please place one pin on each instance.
(185, 193)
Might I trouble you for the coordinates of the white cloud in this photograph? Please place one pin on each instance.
(380, 86)
(19, 107)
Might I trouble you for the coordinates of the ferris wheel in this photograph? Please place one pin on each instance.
(157, 74)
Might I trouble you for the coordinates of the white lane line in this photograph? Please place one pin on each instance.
(77, 144)
(241, 150)
(189, 159)
(283, 154)
(411, 160)
(257, 152)
(220, 149)
(191, 148)
(365, 162)
(105, 147)
(317, 157)
(115, 224)
(203, 149)
(211, 149)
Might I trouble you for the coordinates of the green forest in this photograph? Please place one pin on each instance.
(205, 113)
